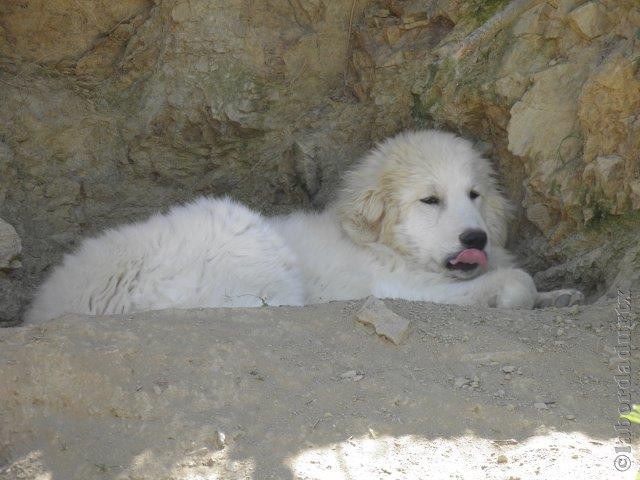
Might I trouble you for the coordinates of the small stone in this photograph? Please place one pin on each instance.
(540, 406)
(544, 398)
(508, 369)
(392, 34)
(502, 459)
(219, 440)
(570, 416)
(352, 375)
(461, 382)
(560, 332)
(385, 322)
(500, 393)
(157, 389)
(10, 246)
(416, 24)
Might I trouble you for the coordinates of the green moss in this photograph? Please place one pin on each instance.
(420, 112)
(483, 10)
(615, 225)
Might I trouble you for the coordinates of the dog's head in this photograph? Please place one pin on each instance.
(429, 196)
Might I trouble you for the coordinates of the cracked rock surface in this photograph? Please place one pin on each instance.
(115, 110)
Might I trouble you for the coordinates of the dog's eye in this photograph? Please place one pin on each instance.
(473, 194)
(430, 200)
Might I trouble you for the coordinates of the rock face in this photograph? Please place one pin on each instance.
(114, 110)
(310, 393)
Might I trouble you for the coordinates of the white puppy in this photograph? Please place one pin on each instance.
(419, 218)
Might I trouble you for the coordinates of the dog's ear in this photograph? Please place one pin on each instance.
(361, 215)
(496, 214)
(361, 206)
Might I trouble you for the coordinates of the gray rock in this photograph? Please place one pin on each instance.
(385, 322)
(10, 246)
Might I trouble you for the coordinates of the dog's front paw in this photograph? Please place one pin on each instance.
(565, 297)
(513, 288)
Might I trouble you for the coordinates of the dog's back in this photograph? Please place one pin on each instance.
(210, 253)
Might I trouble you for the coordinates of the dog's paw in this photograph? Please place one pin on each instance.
(565, 297)
(514, 288)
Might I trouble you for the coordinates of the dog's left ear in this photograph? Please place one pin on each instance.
(361, 205)
(496, 214)
(361, 215)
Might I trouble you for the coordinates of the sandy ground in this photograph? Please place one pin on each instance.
(309, 393)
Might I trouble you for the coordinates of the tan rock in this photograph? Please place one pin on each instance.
(547, 114)
(52, 30)
(605, 169)
(512, 87)
(532, 21)
(539, 215)
(609, 98)
(589, 19)
(392, 34)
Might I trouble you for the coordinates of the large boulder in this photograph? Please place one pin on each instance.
(113, 111)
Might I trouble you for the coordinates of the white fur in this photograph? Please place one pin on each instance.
(377, 238)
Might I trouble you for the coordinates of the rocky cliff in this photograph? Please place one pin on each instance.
(113, 110)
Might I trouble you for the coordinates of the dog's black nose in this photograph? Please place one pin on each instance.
(473, 238)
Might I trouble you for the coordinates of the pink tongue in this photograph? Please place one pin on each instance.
(471, 255)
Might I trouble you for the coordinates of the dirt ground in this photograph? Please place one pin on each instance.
(310, 393)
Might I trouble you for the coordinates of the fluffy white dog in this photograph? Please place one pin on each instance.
(419, 218)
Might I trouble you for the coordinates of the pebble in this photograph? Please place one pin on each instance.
(544, 398)
(502, 459)
(385, 322)
(570, 417)
(352, 375)
(540, 406)
(461, 382)
(219, 439)
(508, 369)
